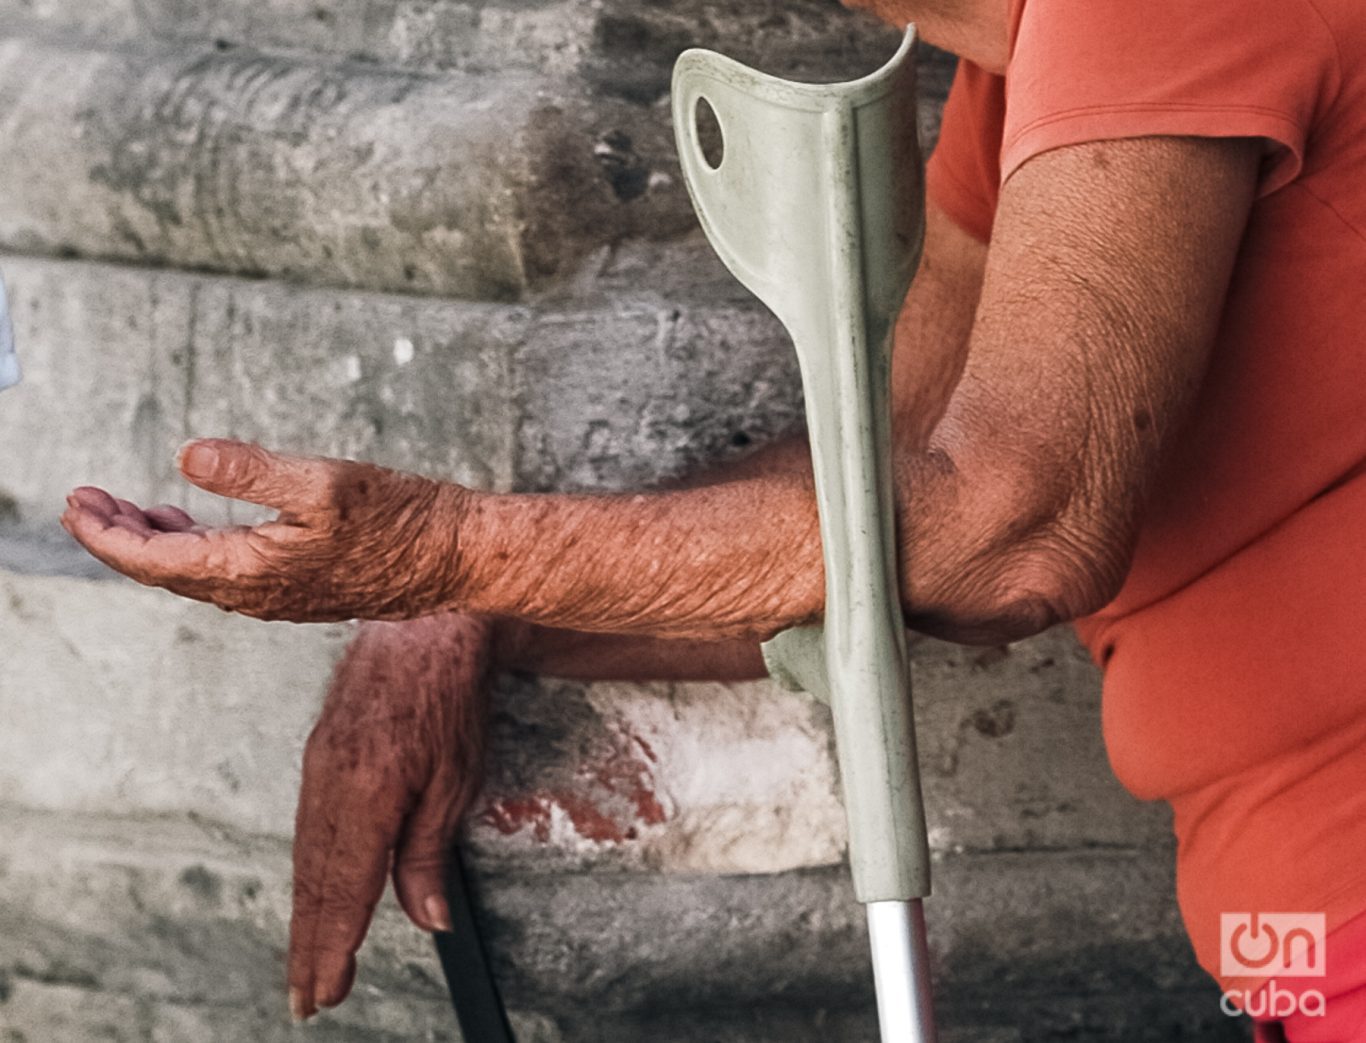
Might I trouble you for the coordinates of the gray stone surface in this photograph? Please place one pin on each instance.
(122, 365)
(260, 164)
(177, 927)
(1011, 753)
(114, 700)
(118, 698)
(620, 394)
(459, 183)
(619, 47)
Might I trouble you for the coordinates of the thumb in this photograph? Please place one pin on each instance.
(245, 471)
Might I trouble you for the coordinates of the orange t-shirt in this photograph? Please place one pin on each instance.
(1235, 654)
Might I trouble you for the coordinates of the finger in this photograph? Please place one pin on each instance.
(133, 518)
(171, 519)
(422, 855)
(153, 558)
(344, 835)
(248, 472)
(107, 541)
(349, 889)
(84, 522)
(314, 834)
(135, 523)
(93, 499)
(336, 967)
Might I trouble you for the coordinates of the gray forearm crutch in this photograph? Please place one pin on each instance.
(816, 205)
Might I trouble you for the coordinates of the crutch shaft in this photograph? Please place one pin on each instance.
(901, 971)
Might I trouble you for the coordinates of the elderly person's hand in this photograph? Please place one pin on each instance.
(393, 762)
(351, 540)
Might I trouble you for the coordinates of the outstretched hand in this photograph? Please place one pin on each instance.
(351, 540)
(393, 762)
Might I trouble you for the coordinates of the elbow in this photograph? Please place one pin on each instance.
(1024, 590)
(1024, 544)
(1012, 616)
(1055, 581)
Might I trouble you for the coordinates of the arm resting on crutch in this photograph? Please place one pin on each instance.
(1097, 309)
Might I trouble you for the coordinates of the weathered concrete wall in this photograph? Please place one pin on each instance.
(451, 237)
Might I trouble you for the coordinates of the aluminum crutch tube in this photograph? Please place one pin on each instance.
(896, 933)
(816, 204)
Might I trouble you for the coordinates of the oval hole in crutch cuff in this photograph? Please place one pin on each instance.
(708, 133)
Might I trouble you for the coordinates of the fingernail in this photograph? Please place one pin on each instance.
(297, 1010)
(437, 913)
(198, 460)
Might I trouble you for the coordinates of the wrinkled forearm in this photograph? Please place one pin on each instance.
(739, 560)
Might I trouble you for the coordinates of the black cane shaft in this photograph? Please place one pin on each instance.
(474, 993)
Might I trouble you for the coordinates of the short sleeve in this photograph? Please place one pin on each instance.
(963, 176)
(1089, 70)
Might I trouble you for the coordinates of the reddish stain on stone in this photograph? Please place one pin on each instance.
(649, 750)
(511, 815)
(625, 775)
(617, 796)
(589, 821)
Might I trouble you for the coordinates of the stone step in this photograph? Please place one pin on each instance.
(436, 35)
(468, 183)
(343, 174)
(176, 928)
(619, 48)
(123, 364)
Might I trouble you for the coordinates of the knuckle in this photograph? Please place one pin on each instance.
(241, 467)
(342, 905)
(307, 895)
(342, 927)
(422, 860)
